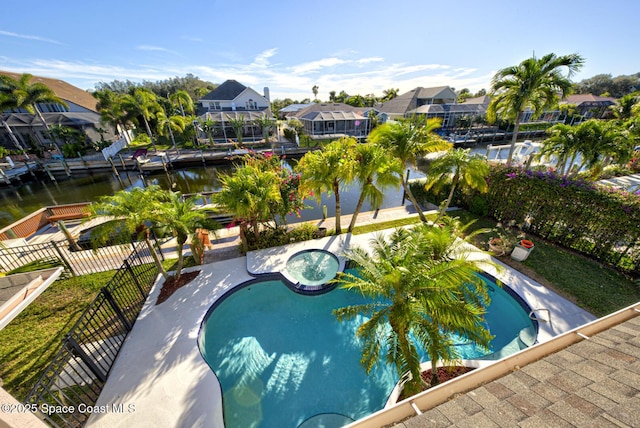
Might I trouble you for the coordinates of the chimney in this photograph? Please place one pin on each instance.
(266, 93)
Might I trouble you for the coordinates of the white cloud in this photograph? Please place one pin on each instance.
(151, 48)
(355, 76)
(29, 37)
(312, 66)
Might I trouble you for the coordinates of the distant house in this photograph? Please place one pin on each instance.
(591, 106)
(406, 104)
(291, 110)
(81, 114)
(231, 101)
(334, 120)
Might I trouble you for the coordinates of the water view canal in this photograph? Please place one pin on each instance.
(18, 201)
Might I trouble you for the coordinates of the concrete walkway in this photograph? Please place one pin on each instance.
(160, 375)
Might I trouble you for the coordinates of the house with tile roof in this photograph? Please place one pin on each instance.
(81, 114)
(590, 106)
(404, 105)
(334, 120)
(438, 102)
(231, 101)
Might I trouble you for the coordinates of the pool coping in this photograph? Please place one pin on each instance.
(176, 387)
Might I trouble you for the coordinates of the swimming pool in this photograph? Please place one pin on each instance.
(282, 358)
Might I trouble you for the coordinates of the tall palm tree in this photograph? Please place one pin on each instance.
(183, 100)
(374, 169)
(145, 104)
(407, 140)
(170, 124)
(28, 95)
(131, 212)
(111, 107)
(458, 167)
(423, 289)
(315, 91)
(328, 170)
(534, 83)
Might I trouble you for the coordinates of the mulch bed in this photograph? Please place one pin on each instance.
(171, 285)
(444, 374)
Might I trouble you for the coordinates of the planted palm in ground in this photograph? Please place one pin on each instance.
(423, 289)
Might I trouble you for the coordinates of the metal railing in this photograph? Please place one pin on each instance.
(74, 379)
(76, 260)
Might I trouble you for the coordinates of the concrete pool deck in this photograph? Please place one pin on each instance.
(161, 374)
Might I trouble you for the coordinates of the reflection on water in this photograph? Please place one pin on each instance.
(16, 202)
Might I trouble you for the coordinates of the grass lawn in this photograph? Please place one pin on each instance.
(589, 284)
(29, 342)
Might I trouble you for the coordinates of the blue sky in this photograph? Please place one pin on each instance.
(358, 46)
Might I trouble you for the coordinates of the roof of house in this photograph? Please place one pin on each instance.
(294, 107)
(63, 90)
(409, 100)
(313, 111)
(478, 100)
(578, 99)
(450, 108)
(594, 382)
(227, 91)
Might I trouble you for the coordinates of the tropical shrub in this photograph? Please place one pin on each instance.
(600, 222)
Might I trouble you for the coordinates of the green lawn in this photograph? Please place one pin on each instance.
(29, 342)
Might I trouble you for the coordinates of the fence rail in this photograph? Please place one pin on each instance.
(80, 369)
(75, 263)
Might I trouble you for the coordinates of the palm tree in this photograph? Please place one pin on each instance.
(327, 170)
(534, 83)
(561, 144)
(131, 212)
(8, 103)
(237, 124)
(458, 167)
(265, 123)
(183, 100)
(390, 94)
(171, 123)
(315, 91)
(405, 141)
(423, 289)
(248, 194)
(144, 103)
(375, 169)
(28, 95)
(111, 107)
(182, 217)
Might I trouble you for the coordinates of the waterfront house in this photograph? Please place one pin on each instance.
(231, 101)
(81, 114)
(334, 120)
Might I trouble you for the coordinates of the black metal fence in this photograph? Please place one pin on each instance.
(71, 384)
(76, 260)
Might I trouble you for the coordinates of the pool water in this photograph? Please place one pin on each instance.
(313, 267)
(282, 358)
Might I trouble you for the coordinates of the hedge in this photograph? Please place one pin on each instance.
(599, 222)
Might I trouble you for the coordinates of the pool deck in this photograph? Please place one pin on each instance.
(161, 373)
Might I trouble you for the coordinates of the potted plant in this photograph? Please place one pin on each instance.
(501, 244)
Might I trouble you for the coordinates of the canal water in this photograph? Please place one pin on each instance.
(18, 201)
